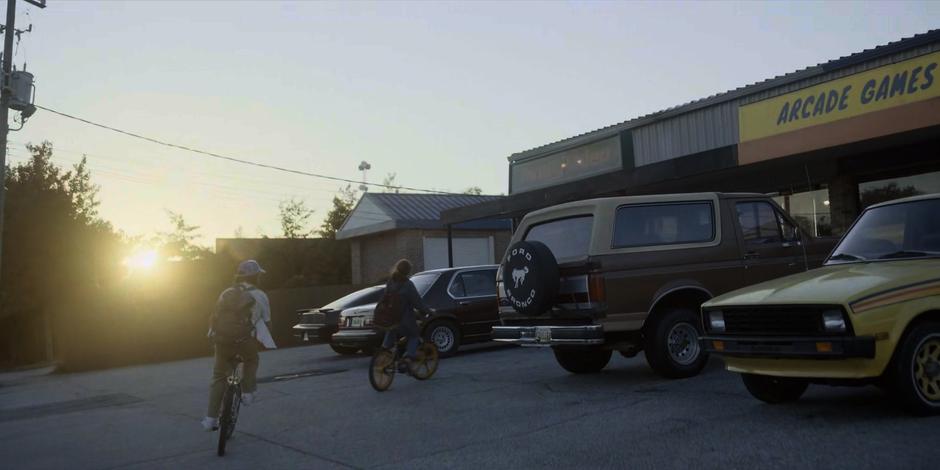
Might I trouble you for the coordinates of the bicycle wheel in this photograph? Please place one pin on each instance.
(226, 426)
(236, 406)
(425, 363)
(382, 370)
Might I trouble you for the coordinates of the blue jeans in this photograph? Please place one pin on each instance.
(407, 328)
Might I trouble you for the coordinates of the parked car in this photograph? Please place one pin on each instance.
(870, 315)
(464, 300)
(319, 323)
(629, 274)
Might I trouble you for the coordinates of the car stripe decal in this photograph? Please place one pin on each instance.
(896, 295)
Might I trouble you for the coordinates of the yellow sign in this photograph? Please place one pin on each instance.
(905, 82)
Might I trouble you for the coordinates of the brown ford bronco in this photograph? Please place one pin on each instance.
(630, 273)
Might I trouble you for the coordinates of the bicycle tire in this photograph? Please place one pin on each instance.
(225, 424)
(426, 361)
(382, 370)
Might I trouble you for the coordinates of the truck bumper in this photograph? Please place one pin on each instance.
(575, 335)
(791, 348)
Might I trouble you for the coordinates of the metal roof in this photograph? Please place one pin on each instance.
(415, 211)
(780, 80)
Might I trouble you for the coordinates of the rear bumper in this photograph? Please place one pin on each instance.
(792, 347)
(573, 335)
(357, 338)
(310, 331)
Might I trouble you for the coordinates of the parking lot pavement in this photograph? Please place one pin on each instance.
(490, 407)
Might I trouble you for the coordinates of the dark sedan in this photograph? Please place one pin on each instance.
(319, 323)
(464, 301)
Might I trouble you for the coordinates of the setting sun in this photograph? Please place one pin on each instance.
(143, 259)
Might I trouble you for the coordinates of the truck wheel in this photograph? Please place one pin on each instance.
(344, 350)
(582, 360)
(774, 389)
(916, 368)
(672, 347)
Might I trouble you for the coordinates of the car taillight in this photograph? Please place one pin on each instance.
(596, 290)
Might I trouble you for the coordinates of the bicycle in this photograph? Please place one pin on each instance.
(386, 362)
(231, 403)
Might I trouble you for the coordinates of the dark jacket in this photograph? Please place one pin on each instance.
(410, 301)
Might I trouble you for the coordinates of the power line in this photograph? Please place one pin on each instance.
(233, 159)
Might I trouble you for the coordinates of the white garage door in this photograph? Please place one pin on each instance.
(467, 252)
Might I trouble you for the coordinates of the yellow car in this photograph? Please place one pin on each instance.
(871, 314)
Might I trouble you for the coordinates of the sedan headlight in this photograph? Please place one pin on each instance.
(833, 321)
(716, 321)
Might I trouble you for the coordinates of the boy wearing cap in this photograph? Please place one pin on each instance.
(247, 280)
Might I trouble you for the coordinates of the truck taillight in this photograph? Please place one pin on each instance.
(596, 290)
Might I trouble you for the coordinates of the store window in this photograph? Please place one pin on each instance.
(810, 209)
(874, 192)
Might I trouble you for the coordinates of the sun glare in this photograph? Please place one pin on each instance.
(144, 259)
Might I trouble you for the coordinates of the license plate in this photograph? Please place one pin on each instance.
(355, 321)
(543, 334)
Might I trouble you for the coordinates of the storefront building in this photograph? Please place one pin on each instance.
(826, 141)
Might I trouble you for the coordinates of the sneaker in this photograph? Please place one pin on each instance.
(248, 399)
(210, 424)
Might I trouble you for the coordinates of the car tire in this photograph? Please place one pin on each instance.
(582, 360)
(916, 370)
(344, 350)
(445, 335)
(673, 349)
(774, 390)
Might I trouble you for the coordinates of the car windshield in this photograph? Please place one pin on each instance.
(423, 282)
(360, 297)
(896, 231)
(567, 238)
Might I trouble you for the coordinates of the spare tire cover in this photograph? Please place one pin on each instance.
(530, 277)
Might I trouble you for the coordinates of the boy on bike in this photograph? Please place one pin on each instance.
(410, 301)
(242, 317)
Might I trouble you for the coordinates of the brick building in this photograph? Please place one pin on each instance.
(385, 227)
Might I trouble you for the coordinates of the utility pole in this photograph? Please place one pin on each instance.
(5, 109)
(5, 93)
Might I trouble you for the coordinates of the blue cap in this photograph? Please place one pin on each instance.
(249, 268)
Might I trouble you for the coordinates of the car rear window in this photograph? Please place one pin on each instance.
(567, 238)
(663, 224)
(365, 296)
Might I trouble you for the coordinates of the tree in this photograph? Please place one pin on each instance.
(343, 203)
(474, 190)
(55, 249)
(390, 185)
(294, 216)
(180, 243)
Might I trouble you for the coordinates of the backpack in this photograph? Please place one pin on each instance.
(231, 322)
(389, 309)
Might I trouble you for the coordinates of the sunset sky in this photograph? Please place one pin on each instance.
(438, 93)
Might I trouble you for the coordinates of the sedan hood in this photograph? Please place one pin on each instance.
(836, 284)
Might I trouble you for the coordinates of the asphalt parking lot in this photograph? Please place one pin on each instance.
(491, 407)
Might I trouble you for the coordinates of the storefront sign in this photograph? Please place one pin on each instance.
(885, 87)
(570, 165)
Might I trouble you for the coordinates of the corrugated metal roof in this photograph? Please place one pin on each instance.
(778, 81)
(413, 211)
(403, 208)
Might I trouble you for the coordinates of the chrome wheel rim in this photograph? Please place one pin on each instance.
(443, 338)
(926, 369)
(682, 342)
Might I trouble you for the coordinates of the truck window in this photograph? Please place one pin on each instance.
(758, 222)
(567, 238)
(663, 224)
